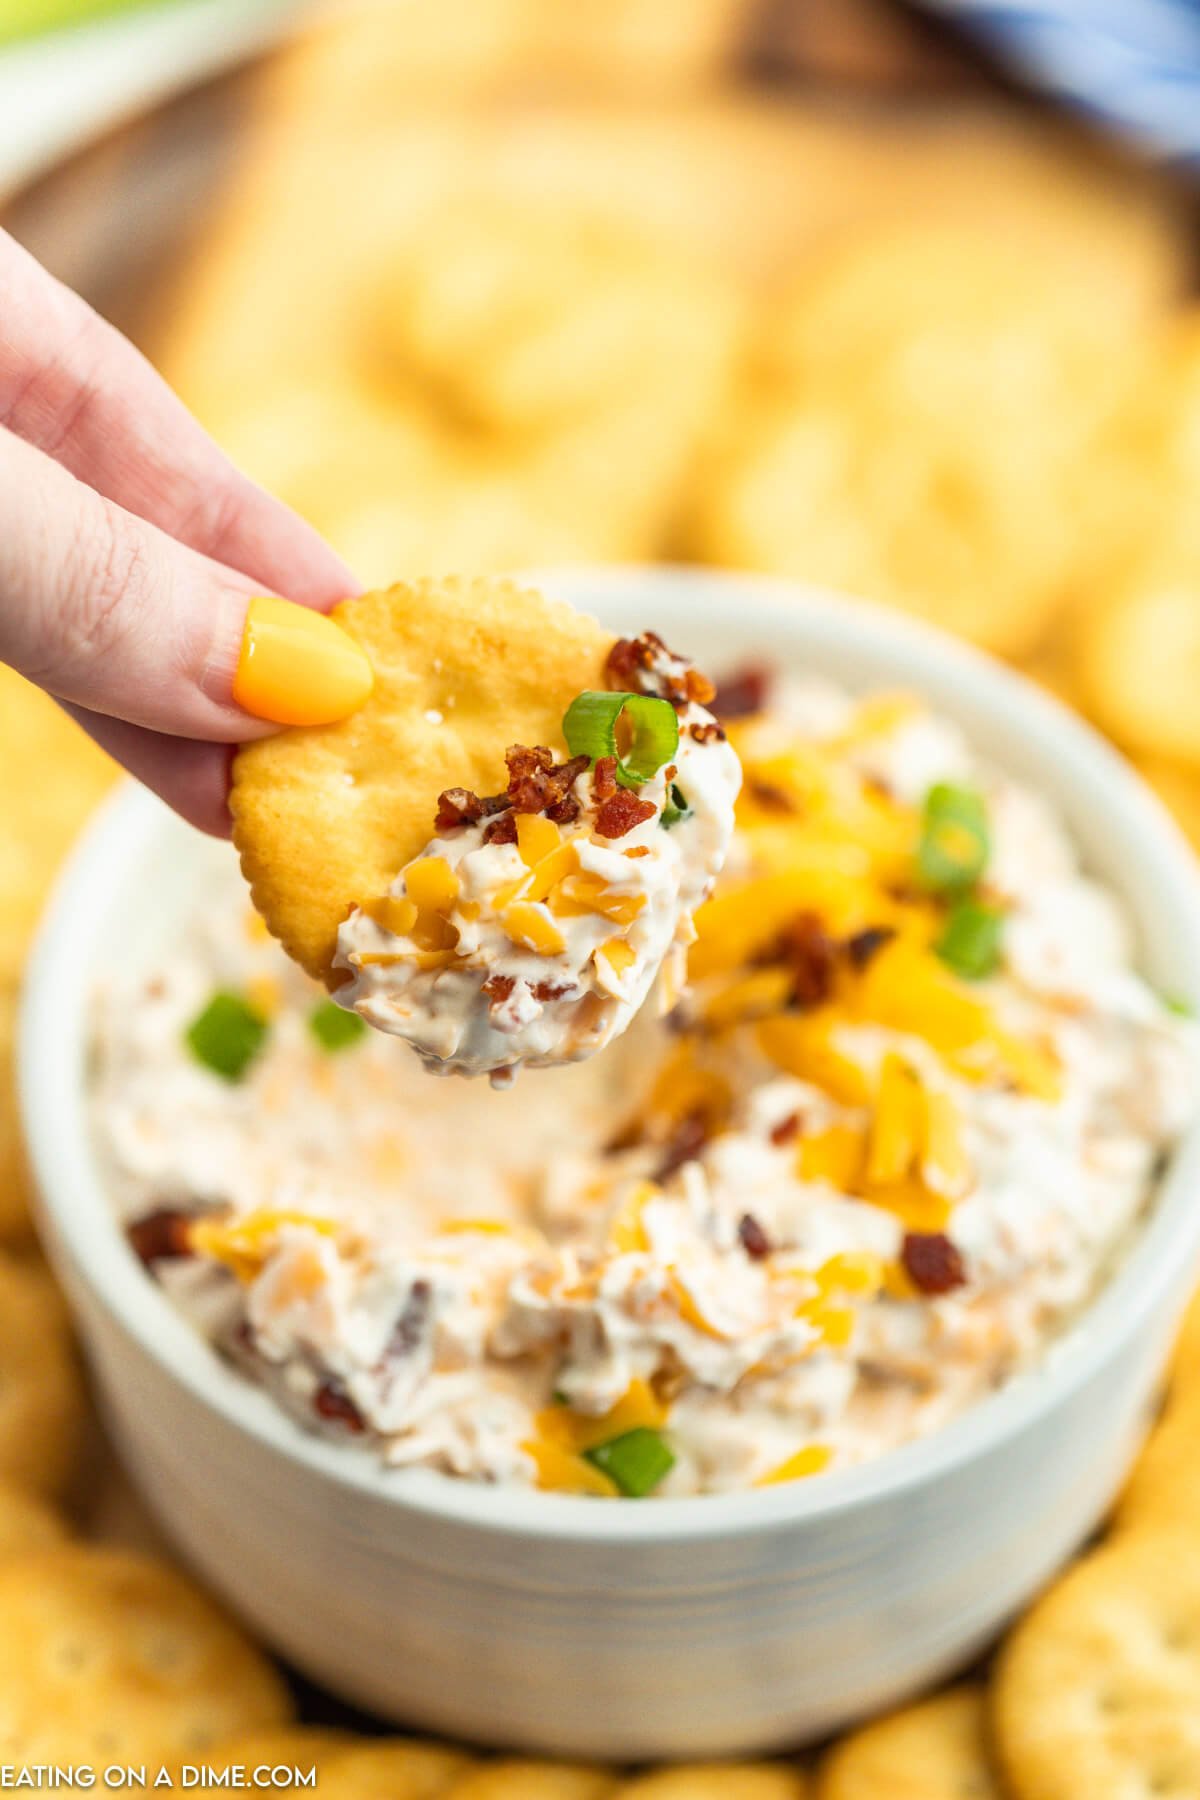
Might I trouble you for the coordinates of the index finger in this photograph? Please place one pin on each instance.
(73, 387)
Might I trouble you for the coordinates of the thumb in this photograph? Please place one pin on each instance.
(107, 612)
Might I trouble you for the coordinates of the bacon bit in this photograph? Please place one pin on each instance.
(627, 659)
(621, 813)
(550, 990)
(932, 1263)
(409, 1328)
(786, 1129)
(497, 988)
(527, 770)
(604, 778)
(686, 1142)
(459, 806)
(754, 1239)
(161, 1236)
(537, 785)
(769, 797)
(707, 734)
(811, 954)
(631, 664)
(332, 1402)
(743, 694)
(670, 772)
(864, 946)
(502, 830)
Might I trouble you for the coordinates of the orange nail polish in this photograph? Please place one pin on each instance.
(297, 667)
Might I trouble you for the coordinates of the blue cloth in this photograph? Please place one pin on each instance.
(1130, 64)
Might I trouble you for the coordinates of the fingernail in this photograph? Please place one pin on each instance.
(297, 667)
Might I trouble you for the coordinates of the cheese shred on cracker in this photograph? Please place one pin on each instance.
(500, 853)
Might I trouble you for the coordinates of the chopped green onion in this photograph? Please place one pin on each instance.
(636, 1461)
(955, 842)
(227, 1035)
(1177, 1004)
(676, 808)
(590, 728)
(971, 939)
(333, 1027)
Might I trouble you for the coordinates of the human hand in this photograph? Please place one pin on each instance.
(134, 560)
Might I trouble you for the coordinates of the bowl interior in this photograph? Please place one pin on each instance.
(138, 869)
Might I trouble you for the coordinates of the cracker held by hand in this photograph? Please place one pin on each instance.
(324, 817)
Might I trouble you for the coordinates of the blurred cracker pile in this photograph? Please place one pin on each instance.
(507, 283)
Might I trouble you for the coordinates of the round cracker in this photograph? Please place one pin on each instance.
(108, 1656)
(934, 516)
(43, 1407)
(27, 1522)
(935, 1750)
(515, 1779)
(327, 816)
(393, 1769)
(289, 1746)
(1140, 656)
(1097, 1692)
(1185, 1360)
(518, 317)
(1178, 787)
(718, 1781)
(1164, 1488)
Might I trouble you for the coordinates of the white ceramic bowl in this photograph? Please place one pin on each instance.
(670, 1628)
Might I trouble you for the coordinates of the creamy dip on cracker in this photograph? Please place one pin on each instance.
(531, 928)
(885, 1146)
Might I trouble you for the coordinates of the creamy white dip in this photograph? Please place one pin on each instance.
(838, 1195)
(532, 982)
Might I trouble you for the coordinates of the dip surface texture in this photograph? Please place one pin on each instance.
(890, 1140)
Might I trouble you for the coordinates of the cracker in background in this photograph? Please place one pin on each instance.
(718, 1781)
(1097, 1691)
(393, 1769)
(1140, 650)
(293, 1746)
(1178, 787)
(514, 317)
(740, 181)
(64, 774)
(43, 1409)
(107, 1656)
(27, 1523)
(516, 1779)
(529, 384)
(326, 817)
(1141, 491)
(923, 396)
(360, 58)
(1164, 1488)
(936, 1749)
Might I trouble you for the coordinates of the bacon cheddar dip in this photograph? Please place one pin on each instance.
(885, 1145)
(531, 928)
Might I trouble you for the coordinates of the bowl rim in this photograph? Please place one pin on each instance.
(71, 1191)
